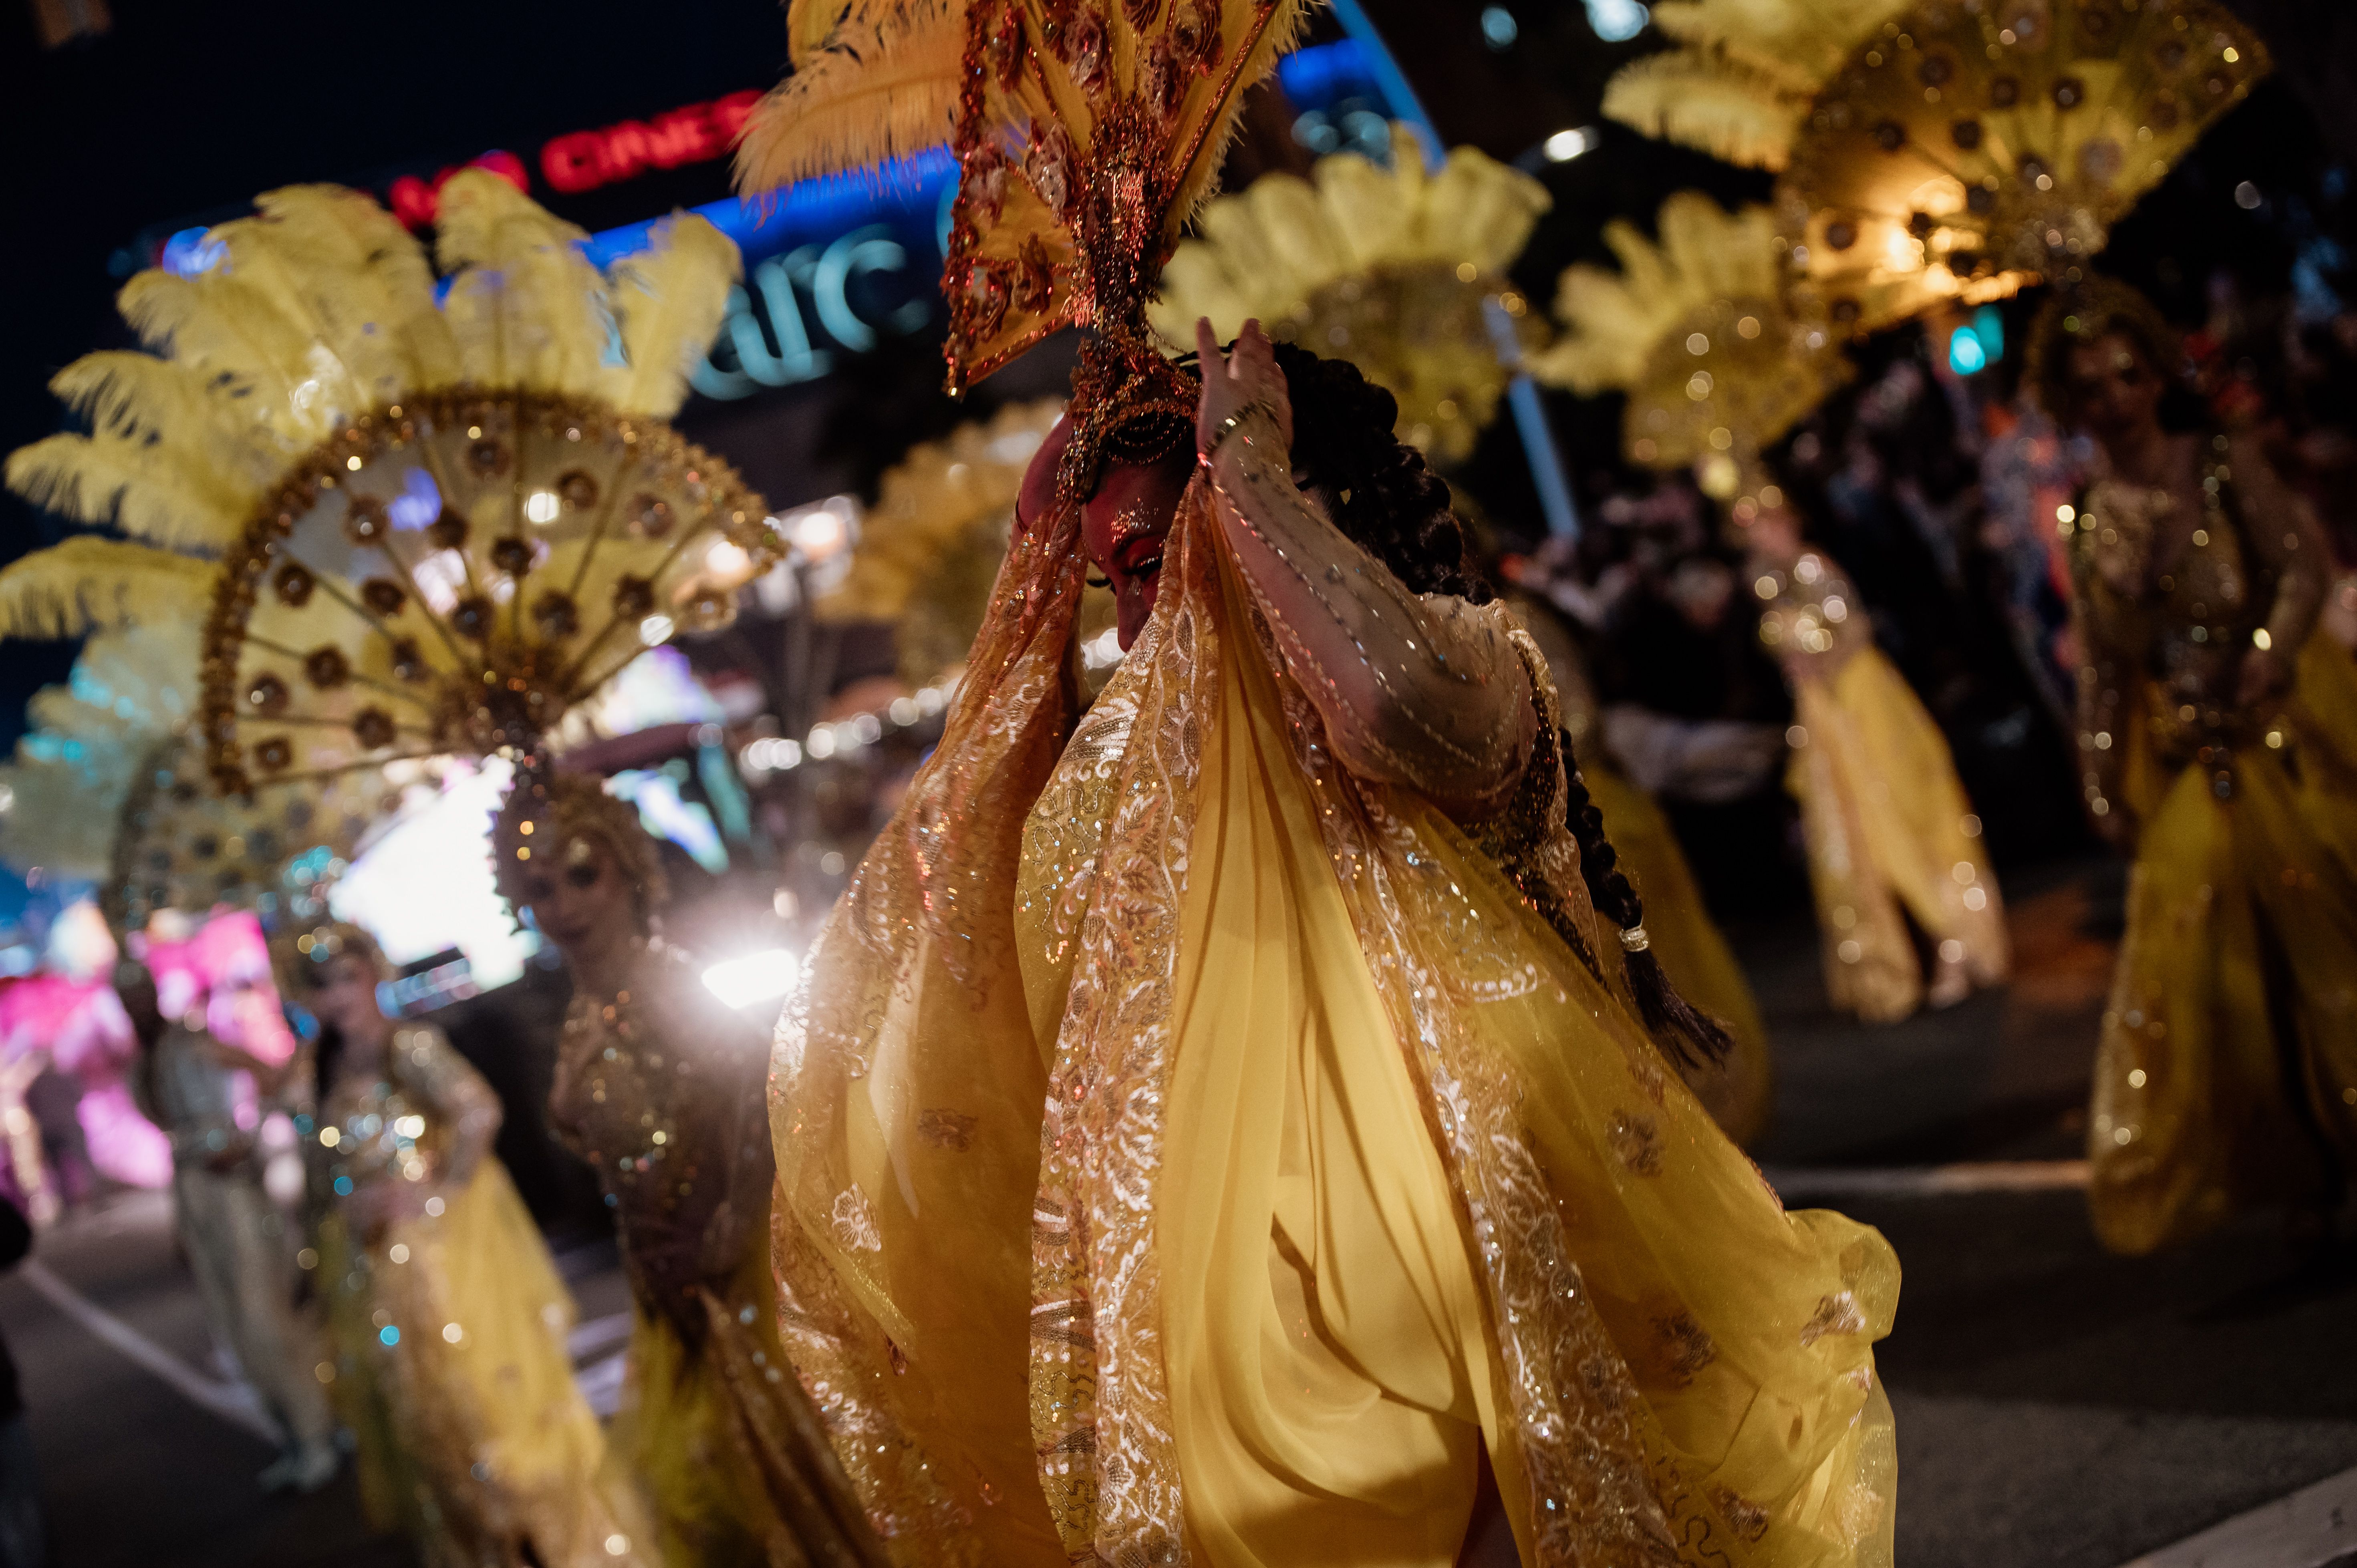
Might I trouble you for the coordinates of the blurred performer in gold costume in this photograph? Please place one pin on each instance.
(305, 393)
(1716, 364)
(1894, 845)
(660, 1089)
(447, 1317)
(1216, 1124)
(1966, 163)
(2218, 738)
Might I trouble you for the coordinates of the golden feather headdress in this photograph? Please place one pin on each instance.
(438, 526)
(1087, 133)
(1969, 152)
(1697, 331)
(930, 548)
(1947, 149)
(1740, 84)
(109, 784)
(1388, 268)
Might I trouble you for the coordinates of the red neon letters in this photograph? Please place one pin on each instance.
(587, 159)
(414, 200)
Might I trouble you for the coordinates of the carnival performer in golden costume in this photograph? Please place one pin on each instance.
(659, 1089)
(1215, 1120)
(447, 1317)
(1716, 364)
(2218, 738)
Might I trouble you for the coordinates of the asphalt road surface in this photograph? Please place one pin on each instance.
(2057, 1408)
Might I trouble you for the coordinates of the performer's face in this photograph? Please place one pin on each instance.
(1122, 528)
(579, 900)
(2114, 389)
(343, 994)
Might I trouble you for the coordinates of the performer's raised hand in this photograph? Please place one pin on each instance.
(1235, 383)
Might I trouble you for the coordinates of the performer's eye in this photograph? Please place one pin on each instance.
(1096, 582)
(1145, 568)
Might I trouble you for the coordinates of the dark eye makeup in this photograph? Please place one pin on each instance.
(582, 876)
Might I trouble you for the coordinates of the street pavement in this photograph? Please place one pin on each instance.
(2057, 1408)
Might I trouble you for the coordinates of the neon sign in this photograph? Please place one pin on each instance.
(746, 359)
(414, 201)
(584, 160)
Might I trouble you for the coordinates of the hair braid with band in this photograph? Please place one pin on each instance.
(1690, 1035)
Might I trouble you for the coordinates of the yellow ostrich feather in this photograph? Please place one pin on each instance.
(1964, 153)
(1741, 83)
(86, 741)
(873, 80)
(108, 785)
(526, 305)
(87, 583)
(1695, 330)
(1070, 102)
(930, 548)
(435, 527)
(1388, 268)
(808, 23)
(1709, 102)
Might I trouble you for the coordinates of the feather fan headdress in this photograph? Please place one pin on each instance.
(1087, 133)
(1948, 149)
(929, 549)
(436, 527)
(109, 786)
(1972, 151)
(1695, 329)
(1388, 268)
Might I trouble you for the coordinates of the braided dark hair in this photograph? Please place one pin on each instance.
(1374, 485)
(1382, 497)
(1692, 1037)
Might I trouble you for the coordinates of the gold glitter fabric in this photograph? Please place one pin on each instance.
(1894, 847)
(658, 1087)
(1662, 1365)
(2227, 1072)
(448, 1324)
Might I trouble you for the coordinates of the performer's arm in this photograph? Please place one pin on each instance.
(2281, 530)
(1419, 690)
(458, 1095)
(2109, 664)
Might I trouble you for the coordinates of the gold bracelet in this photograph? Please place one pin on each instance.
(1228, 427)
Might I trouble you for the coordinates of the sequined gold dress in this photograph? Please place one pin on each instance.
(2227, 1073)
(1891, 839)
(1352, 1166)
(449, 1327)
(660, 1089)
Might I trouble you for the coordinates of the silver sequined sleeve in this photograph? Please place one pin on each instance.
(1418, 690)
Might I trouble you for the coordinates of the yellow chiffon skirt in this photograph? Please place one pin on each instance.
(2227, 1073)
(1334, 1370)
(722, 1442)
(452, 1373)
(1347, 1170)
(1741, 1092)
(1891, 839)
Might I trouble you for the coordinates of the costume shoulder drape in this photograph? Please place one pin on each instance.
(1245, 968)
